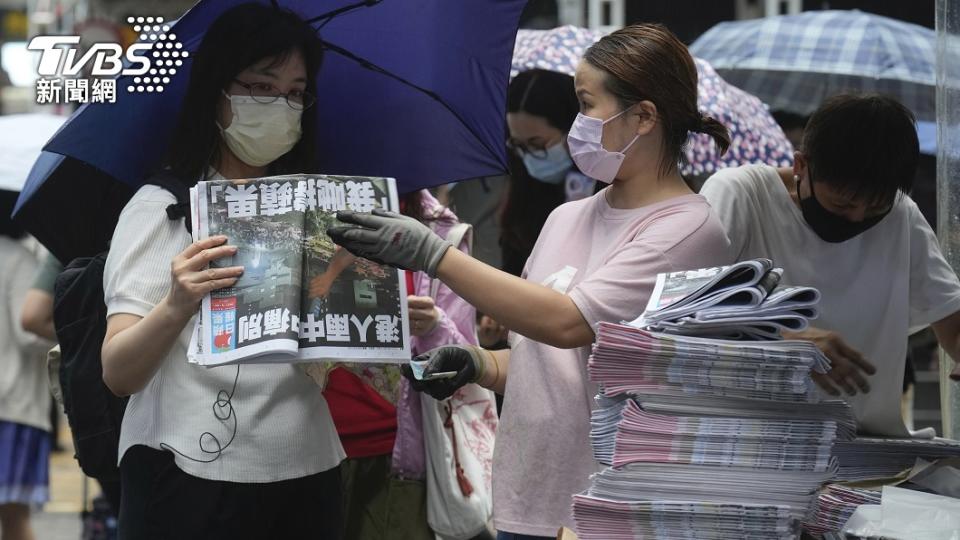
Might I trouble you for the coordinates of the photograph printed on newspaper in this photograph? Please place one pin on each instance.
(301, 297)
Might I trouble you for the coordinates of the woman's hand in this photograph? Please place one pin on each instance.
(191, 280)
(465, 361)
(424, 315)
(389, 238)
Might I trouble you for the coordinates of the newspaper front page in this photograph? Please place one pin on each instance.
(301, 298)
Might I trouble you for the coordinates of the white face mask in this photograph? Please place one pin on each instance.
(588, 152)
(260, 133)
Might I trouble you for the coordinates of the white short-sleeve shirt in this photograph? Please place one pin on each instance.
(283, 426)
(876, 286)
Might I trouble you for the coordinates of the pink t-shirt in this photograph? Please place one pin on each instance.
(607, 260)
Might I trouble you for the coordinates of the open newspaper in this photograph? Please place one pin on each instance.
(300, 297)
(741, 301)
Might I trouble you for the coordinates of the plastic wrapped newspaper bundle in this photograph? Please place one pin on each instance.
(709, 438)
(920, 503)
(835, 504)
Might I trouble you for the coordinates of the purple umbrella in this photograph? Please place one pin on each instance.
(755, 135)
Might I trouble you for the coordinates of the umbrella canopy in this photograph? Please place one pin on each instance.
(21, 138)
(793, 62)
(413, 89)
(755, 135)
(559, 49)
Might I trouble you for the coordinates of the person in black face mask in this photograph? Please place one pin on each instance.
(834, 225)
(840, 220)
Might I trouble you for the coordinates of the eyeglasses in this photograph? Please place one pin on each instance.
(521, 149)
(266, 93)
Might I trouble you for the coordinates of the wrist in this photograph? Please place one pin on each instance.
(487, 377)
(433, 266)
(175, 314)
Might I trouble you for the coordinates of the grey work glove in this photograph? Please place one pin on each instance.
(389, 238)
(465, 360)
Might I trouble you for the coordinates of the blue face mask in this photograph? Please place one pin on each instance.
(551, 169)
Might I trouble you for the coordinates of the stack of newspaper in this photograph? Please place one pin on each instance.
(788, 445)
(742, 301)
(607, 415)
(292, 302)
(772, 370)
(867, 458)
(646, 500)
(708, 438)
(835, 504)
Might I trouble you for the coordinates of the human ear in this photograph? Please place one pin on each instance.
(799, 164)
(647, 113)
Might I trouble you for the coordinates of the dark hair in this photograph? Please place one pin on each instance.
(546, 94)
(524, 210)
(528, 201)
(646, 62)
(864, 145)
(8, 227)
(788, 120)
(240, 37)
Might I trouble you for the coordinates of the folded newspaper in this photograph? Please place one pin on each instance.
(292, 304)
(741, 301)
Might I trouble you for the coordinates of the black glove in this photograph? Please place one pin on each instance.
(392, 239)
(465, 360)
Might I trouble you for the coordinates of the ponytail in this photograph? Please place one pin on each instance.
(716, 130)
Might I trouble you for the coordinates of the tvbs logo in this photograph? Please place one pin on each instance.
(106, 58)
(150, 63)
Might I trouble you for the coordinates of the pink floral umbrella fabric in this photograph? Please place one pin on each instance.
(755, 135)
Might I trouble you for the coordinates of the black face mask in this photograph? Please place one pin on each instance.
(829, 226)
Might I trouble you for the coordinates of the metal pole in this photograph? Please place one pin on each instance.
(948, 178)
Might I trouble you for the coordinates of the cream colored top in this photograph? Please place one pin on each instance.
(283, 426)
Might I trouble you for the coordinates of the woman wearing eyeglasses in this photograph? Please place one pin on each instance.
(263, 464)
(541, 107)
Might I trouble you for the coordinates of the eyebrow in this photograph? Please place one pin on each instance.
(583, 91)
(269, 73)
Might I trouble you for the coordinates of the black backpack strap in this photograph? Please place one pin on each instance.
(170, 182)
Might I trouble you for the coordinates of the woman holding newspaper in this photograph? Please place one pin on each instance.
(596, 260)
(263, 462)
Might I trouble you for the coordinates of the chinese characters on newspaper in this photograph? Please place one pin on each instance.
(300, 298)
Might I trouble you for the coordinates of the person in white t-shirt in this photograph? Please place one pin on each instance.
(231, 452)
(840, 220)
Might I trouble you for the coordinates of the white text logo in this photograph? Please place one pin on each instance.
(151, 63)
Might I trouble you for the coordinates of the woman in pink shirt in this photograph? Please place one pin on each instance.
(596, 260)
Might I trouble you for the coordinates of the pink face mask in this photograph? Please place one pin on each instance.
(588, 152)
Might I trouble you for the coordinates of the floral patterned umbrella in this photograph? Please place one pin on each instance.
(755, 135)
